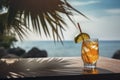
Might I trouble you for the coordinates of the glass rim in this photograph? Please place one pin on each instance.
(92, 39)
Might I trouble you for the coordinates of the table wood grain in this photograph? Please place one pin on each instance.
(103, 62)
(109, 64)
(54, 66)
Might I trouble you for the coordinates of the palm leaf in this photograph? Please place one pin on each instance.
(44, 12)
(16, 26)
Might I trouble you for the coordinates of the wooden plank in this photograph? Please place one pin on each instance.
(59, 66)
(103, 63)
(109, 64)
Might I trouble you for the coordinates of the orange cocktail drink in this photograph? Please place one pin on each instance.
(90, 52)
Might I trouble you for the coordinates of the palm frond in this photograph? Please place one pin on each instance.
(42, 14)
(16, 26)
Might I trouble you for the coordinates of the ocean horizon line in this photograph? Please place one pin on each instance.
(60, 41)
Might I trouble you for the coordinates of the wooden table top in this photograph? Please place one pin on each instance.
(54, 66)
(109, 64)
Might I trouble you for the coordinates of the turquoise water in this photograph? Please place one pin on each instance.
(69, 48)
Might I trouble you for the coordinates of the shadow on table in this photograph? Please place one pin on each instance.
(42, 67)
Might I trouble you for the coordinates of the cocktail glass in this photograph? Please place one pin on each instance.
(90, 53)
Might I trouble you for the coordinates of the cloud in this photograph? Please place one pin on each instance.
(113, 11)
(78, 3)
(105, 28)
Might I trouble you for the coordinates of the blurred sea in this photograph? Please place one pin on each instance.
(69, 48)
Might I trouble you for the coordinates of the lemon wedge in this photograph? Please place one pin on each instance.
(81, 37)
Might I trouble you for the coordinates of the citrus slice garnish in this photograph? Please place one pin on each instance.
(81, 37)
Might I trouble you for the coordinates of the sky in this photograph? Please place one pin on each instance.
(103, 23)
